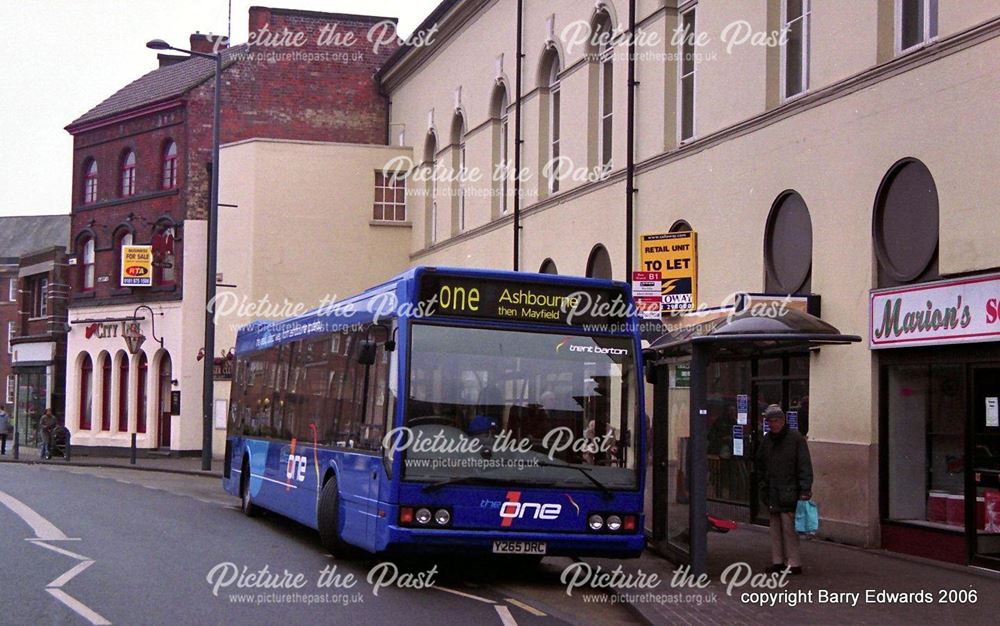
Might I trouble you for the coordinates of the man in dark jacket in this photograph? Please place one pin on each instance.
(786, 476)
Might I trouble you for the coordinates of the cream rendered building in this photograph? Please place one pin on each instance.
(856, 95)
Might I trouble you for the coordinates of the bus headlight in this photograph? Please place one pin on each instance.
(614, 523)
(442, 517)
(423, 516)
(595, 522)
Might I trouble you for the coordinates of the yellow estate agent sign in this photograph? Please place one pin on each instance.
(137, 266)
(675, 256)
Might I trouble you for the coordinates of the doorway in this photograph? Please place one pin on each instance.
(983, 502)
(163, 400)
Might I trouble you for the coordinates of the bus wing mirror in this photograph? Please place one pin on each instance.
(650, 371)
(366, 353)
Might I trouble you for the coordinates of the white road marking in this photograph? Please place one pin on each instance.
(462, 593)
(72, 555)
(526, 607)
(505, 616)
(43, 528)
(68, 576)
(78, 607)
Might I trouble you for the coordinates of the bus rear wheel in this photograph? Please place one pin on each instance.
(246, 504)
(328, 520)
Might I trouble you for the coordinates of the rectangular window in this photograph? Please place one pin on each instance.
(504, 155)
(916, 23)
(461, 186)
(687, 75)
(39, 297)
(12, 290)
(10, 388)
(607, 106)
(10, 335)
(554, 137)
(390, 198)
(795, 53)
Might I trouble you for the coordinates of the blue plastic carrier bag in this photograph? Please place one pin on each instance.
(806, 517)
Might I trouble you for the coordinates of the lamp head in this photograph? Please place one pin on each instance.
(157, 44)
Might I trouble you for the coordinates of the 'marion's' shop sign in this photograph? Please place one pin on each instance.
(966, 310)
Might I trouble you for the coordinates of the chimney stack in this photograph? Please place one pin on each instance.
(170, 59)
(206, 43)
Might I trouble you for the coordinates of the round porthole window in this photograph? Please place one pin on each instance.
(906, 221)
(788, 245)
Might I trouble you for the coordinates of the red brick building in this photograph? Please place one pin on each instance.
(141, 173)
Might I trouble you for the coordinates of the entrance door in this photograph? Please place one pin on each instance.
(30, 403)
(983, 499)
(163, 400)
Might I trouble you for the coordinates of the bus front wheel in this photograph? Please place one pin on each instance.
(246, 504)
(328, 518)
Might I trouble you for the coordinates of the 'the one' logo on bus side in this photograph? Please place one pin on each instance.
(296, 467)
(513, 509)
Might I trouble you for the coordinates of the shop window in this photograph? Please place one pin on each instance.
(926, 446)
(686, 76)
(170, 165)
(905, 225)
(128, 174)
(140, 393)
(86, 392)
(788, 246)
(795, 52)
(90, 182)
(390, 197)
(548, 267)
(123, 367)
(916, 23)
(599, 263)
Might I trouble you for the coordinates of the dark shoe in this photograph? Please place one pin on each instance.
(796, 571)
(777, 568)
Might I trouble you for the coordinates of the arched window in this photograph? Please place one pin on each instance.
(164, 258)
(86, 391)
(599, 263)
(501, 146)
(604, 94)
(430, 158)
(170, 165)
(905, 225)
(140, 393)
(458, 162)
(548, 267)
(90, 182)
(788, 246)
(87, 259)
(123, 237)
(128, 174)
(106, 371)
(123, 366)
(551, 115)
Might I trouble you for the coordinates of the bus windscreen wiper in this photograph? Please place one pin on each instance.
(583, 469)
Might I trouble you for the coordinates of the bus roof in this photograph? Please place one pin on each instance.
(383, 300)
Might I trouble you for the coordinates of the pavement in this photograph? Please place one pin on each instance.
(841, 584)
(179, 465)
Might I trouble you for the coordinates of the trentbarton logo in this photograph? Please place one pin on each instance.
(513, 509)
(559, 346)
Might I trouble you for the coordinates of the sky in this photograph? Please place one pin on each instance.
(59, 58)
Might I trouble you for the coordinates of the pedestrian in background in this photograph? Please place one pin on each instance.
(47, 424)
(4, 430)
(786, 476)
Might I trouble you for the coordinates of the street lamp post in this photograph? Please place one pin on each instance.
(211, 262)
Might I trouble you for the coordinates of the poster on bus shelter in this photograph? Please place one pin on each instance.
(675, 257)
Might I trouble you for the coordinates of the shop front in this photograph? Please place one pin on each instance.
(38, 386)
(939, 385)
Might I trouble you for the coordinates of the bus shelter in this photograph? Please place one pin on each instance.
(678, 504)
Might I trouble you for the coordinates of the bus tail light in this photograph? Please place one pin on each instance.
(629, 523)
(406, 515)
